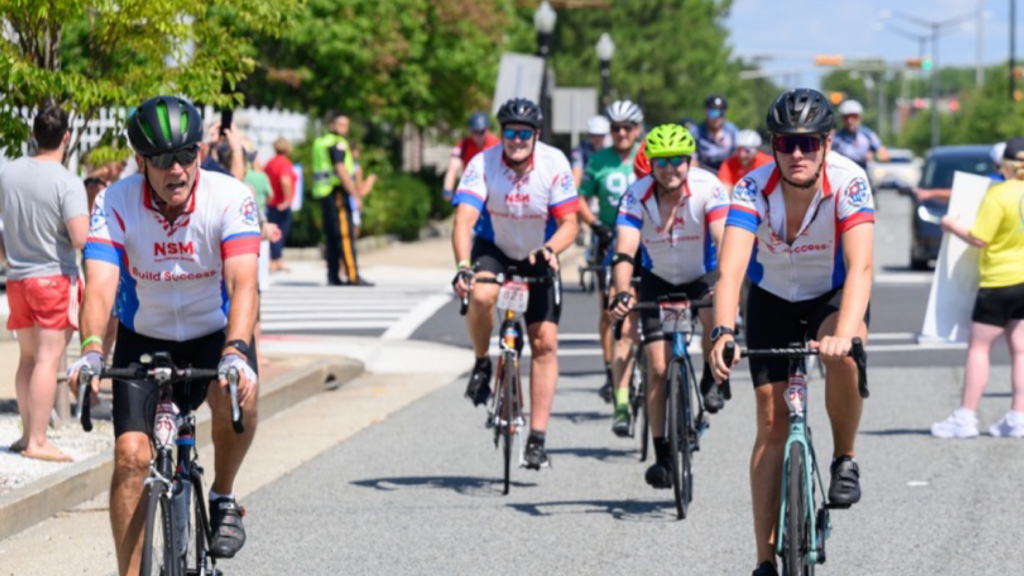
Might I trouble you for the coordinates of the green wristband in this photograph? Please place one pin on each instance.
(90, 340)
(464, 264)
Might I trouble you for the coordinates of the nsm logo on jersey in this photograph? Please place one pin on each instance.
(170, 249)
(516, 198)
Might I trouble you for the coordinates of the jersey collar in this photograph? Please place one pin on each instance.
(774, 180)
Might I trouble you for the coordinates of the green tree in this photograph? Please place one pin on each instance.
(89, 54)
(421, 61)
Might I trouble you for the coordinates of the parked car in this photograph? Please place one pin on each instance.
(902, 170)
(931, 195)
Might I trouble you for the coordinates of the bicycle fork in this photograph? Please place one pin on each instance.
(499, 416)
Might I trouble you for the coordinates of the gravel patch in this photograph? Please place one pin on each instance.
(17, 471)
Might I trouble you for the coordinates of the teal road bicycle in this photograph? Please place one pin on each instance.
(804, 525)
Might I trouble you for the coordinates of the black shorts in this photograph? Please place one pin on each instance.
(773, 322)
(135, 402)
(544, 306)
(999, 306)
(652, 286)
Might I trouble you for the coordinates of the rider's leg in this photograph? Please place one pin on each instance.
(543, 372)
(132, 455)
(480, 317)
(842, 397)
(229, 448)
(766, 465)
(658, 353)
(622, 359)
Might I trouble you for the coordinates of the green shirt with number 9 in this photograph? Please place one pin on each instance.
(607, 176)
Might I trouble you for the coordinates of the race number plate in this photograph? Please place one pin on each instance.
(514, 296)
(675, 317)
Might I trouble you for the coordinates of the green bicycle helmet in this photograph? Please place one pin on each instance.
(669, 140)
(164, 124)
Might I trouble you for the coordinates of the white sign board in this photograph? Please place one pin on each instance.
(955, 284)
(519, 76)
(571, 108)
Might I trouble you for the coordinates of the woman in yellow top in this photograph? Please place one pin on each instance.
(999, 232)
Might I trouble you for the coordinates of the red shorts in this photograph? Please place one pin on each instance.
(49, 302)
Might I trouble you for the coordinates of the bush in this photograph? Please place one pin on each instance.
(399, 204)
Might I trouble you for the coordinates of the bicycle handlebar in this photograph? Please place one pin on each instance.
(511, 271)
(857, 352)
(656, 305)
(156, 374)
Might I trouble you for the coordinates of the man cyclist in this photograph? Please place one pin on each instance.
(716, 136)
(521, 199)
(597, 131)
(479, 139)
(748, 156)
(802, 227)
(184, 243)
(856, 141)
(609, 173)
(678, 257)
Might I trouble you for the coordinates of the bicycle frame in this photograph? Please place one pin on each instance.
(509, 345)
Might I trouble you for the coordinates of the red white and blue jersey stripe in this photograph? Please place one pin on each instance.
(172, 273)
(683, 251)
(813, 264)
(518, 214)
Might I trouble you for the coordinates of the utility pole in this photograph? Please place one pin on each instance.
(1013, 47)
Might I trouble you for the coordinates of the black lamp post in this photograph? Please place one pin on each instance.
(605, 51)
(544, 19)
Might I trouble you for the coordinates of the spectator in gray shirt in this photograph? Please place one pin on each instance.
(46, 218)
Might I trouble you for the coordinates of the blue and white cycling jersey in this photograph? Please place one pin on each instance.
(856, 145)
(713, 150)
(518, 214)
(683, 252)
(813, 264)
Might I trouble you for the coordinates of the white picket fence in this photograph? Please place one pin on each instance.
(261, 125)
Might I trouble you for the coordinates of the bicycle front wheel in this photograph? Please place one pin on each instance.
(679, 439)
(508, 414)
(643, 428)
(797, 536)
(157, 553)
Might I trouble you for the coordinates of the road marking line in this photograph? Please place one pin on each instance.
(423, 311)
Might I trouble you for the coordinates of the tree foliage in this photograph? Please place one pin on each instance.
(419, 61)
(88, 54)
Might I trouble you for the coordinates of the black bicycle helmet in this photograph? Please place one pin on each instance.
(716, 102)
(520, 111)
(800, 111)
(164, 124)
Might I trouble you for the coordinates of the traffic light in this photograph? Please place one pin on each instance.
(828, 60)
(926, 64)
(836, 98)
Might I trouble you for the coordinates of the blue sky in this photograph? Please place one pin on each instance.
(796, 29)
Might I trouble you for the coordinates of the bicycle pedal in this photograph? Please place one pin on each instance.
(833, 506)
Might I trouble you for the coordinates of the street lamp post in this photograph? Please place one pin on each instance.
(544, 19)
(605, 51)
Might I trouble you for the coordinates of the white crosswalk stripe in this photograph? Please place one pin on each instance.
(400, 301)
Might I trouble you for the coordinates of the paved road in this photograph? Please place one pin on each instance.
(419, 493)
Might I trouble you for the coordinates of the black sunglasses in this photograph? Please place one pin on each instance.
(184, 156)
(806, 144)
(622, 127)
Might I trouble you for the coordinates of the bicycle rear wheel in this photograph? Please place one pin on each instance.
(679, 438)
(157, 553)
(797, 536)
(508, 413)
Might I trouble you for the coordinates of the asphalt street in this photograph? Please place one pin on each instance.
(419, 493)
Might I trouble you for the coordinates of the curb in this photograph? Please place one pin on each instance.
(29, 505)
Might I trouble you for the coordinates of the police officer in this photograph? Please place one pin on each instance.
(333, 184)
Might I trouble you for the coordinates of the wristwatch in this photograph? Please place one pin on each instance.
(240, 345)
(719, 331)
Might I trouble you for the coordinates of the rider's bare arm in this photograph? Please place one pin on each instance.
(858, 251)
(737, 245)
(100, 291)
(454, 168)
(565, 234)
(466, 216)
(240, 279)
(627, 240)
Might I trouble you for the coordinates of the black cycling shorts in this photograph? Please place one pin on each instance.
(543, 306)
(999, 306)
(773, 322)
(653, 286)
(135, 402)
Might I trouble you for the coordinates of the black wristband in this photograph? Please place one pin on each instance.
(621, 257)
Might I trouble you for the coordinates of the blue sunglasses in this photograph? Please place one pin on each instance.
(714, 113)
(524, 134)
(675, 161)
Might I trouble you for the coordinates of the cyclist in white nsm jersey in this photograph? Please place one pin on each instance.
(522, 201)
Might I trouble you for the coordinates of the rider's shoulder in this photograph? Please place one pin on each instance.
(549, 157)
(126, 187)
(758, 177)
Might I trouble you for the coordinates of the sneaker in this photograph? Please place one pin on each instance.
(536, 457)
(658, 475)
(606, 392)
(1011, 425)
(226, 525)
(960, 424)
(844, 490)
(479, 388)
(766, 569)
(620, 426)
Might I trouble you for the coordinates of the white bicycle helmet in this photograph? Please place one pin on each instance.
(851, 107)
(997, 153)
(624, 111)
(748, 139)
(598, 126)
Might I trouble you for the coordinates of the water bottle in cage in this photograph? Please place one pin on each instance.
(165, 425)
